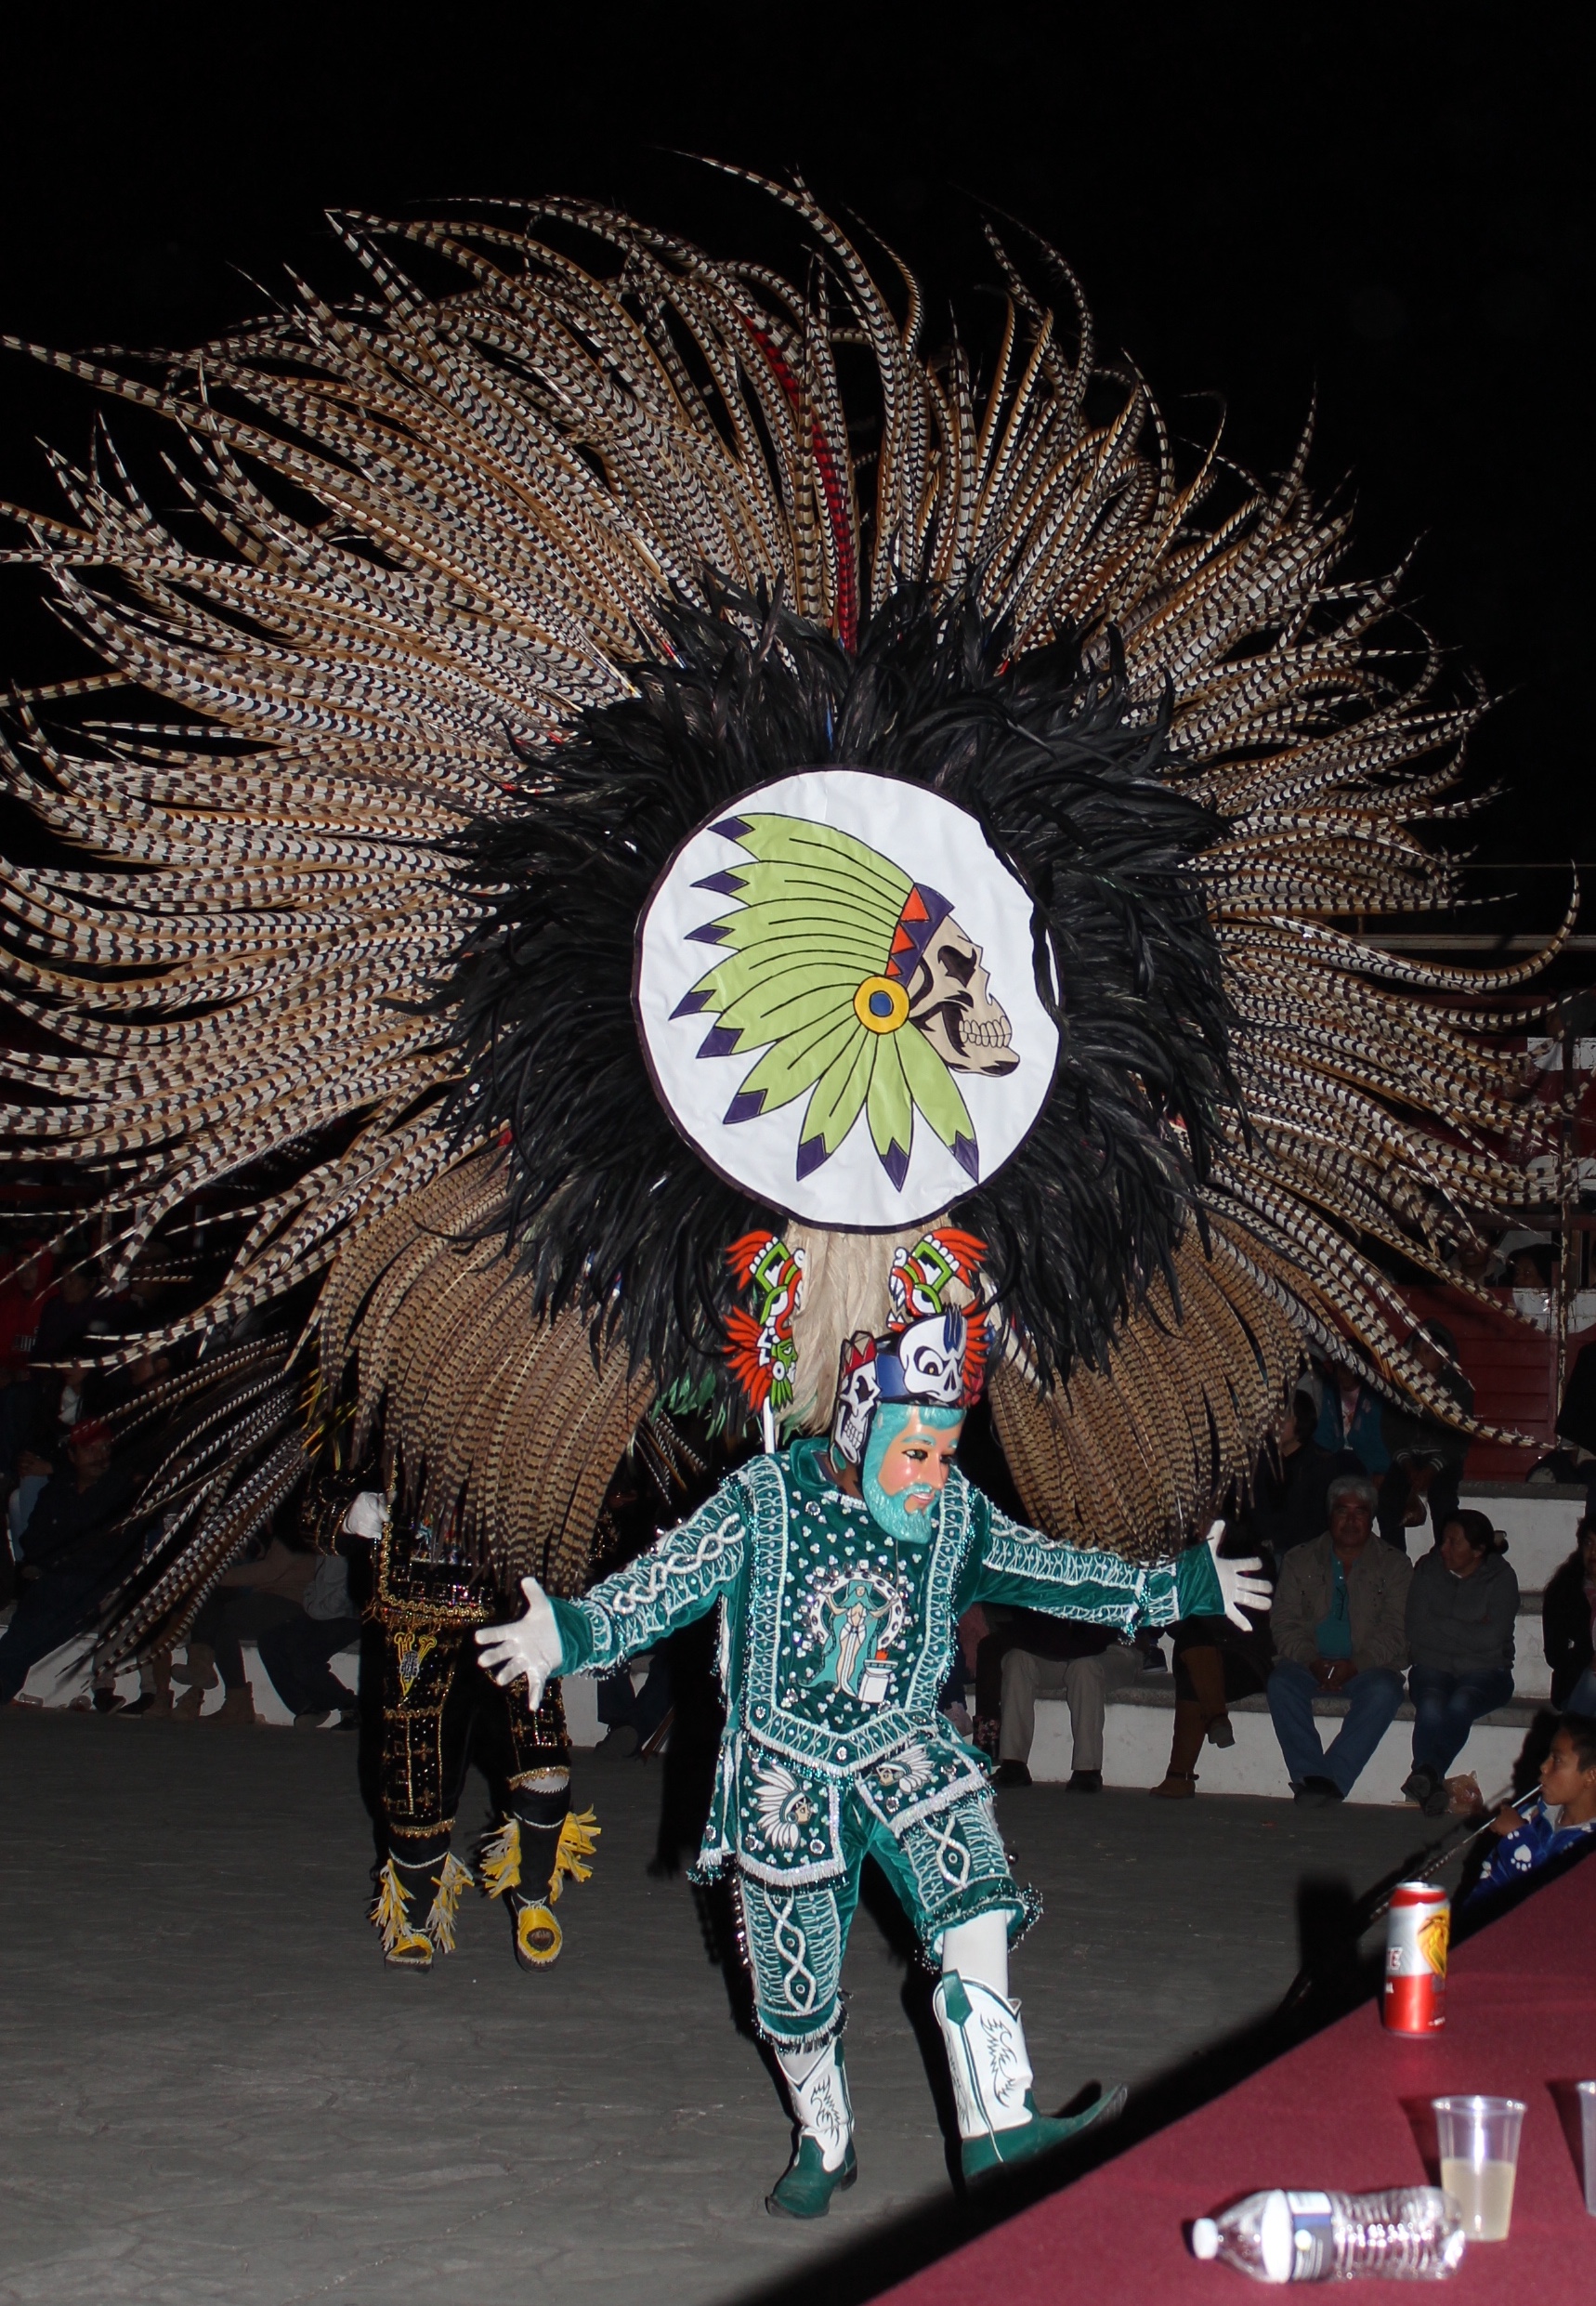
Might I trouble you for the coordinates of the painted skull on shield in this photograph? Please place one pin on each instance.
(950, 1000)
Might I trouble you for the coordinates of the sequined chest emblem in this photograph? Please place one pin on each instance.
(852, 1617)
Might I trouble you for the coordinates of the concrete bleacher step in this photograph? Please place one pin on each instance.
(1139, 1721)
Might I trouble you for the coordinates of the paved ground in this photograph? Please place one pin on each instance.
(213, 2090)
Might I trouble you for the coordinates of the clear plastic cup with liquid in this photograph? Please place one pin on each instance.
(1478, 2139)
(1587, 2142)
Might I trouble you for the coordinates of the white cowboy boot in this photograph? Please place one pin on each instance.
(997, 2119)
(823, 2162)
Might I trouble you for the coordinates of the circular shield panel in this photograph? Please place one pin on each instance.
(836, 994)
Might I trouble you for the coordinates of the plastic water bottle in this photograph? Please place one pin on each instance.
(1413, 2234)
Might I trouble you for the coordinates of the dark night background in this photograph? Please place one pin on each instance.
(1378, 205)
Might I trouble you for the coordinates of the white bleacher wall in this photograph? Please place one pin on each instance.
(1538, 1521)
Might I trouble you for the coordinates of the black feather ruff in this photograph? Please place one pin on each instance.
(610, 1209)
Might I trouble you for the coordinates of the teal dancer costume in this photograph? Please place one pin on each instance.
(814, 1774)
(837, 1622)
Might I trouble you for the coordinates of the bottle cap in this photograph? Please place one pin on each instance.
(1204, 2238)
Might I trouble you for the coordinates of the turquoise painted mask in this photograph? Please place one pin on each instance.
(891, 1511)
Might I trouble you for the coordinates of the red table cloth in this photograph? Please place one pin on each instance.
(1340, 2111)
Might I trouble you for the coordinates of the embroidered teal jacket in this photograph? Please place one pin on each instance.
(836, 1641)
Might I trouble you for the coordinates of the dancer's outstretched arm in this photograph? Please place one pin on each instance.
(1022, 1567)
(681, 1577)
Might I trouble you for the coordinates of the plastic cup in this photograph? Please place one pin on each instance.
(1588, 2140)
(1478, 2139)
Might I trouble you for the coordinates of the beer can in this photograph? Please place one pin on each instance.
(1414, 2001)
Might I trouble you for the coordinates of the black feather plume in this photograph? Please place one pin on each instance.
(610, 1210)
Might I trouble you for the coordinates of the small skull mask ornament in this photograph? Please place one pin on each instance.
(930, 1355)
(859, 1391)
(950, 1000)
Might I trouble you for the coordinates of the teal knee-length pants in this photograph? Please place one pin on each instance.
(944, 1869)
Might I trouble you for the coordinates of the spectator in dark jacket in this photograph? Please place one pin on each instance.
(1462, 1605)
(1339, 1630)
(1568, 1625)
(297, 1654)
(1352, 1421)
(1288, 1505)
(1426, 1457)
(73, 1552)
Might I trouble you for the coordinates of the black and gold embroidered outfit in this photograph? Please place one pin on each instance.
(439, 1713)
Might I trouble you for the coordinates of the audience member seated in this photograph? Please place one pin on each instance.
(73, 1551)
(64, 1322)
(297, 1653)
(1523, 1260)
(1292, 1477)
(251, 1598)
(153, 1702)
(1462, 1605)
(1215, 1664)
(34, 1470)
(1352, 1422)
(638, 1721)
(24, 1293)
(1005, 1629)
(1573, 1458)
(1562, 1818)
(1426, 1455)
(1044, 1657)
(1339, 1625)
(1568, 1625)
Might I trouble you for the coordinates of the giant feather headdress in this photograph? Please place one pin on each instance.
(479, 605)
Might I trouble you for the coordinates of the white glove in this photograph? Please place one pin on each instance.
(1239, 1590)
(531, 1645)
(366, 1516)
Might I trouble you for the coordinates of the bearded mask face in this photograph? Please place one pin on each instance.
(905, 1466)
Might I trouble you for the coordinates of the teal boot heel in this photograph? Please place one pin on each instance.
(805, 2186)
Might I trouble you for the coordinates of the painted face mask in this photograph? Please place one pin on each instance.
(892, 1509)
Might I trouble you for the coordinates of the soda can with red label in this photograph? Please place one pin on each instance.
(1417, 1933)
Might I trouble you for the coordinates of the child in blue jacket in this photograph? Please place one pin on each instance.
(1564, 1815)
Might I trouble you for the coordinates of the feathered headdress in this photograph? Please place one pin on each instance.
(484, 604)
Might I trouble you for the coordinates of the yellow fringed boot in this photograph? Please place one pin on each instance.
(405, 1946)
(402, 1886)
(504, 1860)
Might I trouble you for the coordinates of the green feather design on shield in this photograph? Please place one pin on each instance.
(815, 921)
